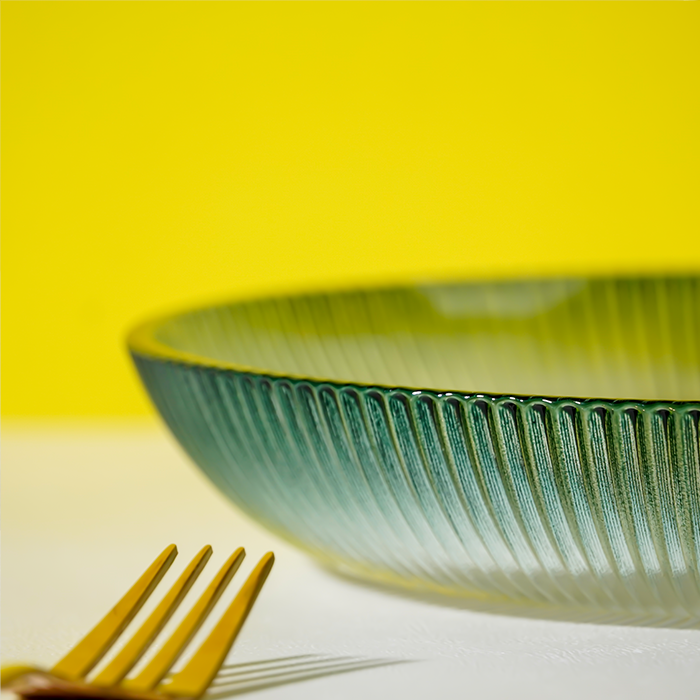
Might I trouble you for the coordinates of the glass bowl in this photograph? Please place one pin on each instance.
(533, 441)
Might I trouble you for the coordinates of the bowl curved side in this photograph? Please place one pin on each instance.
(565, 502)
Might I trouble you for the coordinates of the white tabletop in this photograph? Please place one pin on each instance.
(85, 510)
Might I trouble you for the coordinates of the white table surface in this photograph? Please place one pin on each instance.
(86, 508)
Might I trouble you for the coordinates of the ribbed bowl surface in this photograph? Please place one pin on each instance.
(429, 436)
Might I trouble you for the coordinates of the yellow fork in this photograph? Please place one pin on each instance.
(69, 677)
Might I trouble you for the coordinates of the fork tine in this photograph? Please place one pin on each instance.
(199, 672)
(95, 644)
(135, 648)
(169, 653)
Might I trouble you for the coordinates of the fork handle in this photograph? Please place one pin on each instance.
(9, 674)
(32, 682)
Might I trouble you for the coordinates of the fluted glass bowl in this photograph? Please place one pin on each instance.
(532, 440)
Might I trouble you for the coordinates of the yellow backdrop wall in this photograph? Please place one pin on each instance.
(158, 154)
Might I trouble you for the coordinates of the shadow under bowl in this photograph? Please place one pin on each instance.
(531, 440)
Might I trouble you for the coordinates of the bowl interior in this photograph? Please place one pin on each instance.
(605, 338)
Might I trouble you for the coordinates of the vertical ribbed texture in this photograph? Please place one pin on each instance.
(587, 503)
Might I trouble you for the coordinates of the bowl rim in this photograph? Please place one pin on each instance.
(142, 341)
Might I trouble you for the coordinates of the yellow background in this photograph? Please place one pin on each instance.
(160, 154)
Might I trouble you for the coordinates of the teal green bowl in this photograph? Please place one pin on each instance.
(534, 441)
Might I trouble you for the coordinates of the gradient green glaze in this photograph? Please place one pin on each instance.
(566, 501)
